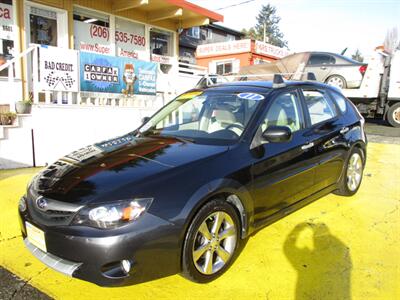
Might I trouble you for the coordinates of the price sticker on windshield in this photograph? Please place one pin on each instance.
(251, 96)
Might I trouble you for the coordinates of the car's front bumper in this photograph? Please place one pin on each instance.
(151, 245)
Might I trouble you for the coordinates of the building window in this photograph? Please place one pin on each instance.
(92, 32)
(209, 34)
(161, 42)
(7, 33)
(194, 32)
(224, 68)
(43, 26)
(230, 37)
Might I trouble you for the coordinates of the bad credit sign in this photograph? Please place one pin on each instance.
(58, 69)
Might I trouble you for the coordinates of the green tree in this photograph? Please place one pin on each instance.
(267, 18)
(357, 56)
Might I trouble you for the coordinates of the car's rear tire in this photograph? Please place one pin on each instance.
(337, 81)
(352, 176)
(211, 241)
(393, 115)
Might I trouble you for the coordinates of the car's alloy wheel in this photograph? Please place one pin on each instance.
(354, 172)
(215, 243)
(336, 81)
(211, 241)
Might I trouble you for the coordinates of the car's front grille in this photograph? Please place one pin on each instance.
(53, 213)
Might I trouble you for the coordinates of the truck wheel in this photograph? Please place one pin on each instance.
(337, 81)
(393, 115)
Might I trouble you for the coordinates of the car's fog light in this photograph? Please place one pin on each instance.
(126, 266)
(22, 204)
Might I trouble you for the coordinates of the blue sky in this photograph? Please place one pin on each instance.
(324, 25)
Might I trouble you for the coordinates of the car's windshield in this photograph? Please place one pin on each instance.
(204, 117)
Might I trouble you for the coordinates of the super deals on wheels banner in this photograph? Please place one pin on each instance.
(110, 74)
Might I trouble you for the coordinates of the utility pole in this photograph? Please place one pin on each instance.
(265, 32)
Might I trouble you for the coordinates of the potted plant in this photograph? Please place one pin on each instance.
(23, 107)
(7, 118)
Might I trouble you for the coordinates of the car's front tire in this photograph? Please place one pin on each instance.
(211, 241)
(352, 177)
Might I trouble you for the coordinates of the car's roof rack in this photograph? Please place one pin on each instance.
(278, 79)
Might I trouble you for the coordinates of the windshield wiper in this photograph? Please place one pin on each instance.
(181, 139)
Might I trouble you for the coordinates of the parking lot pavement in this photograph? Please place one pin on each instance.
(335, 248)
(379, 131)
(12, 287)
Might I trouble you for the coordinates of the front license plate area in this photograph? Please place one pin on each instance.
(36, 236)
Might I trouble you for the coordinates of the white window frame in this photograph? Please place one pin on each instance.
(175, 54)
(224, 62)
(194, 32)
(62, 23)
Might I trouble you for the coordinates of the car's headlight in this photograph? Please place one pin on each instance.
(112, 215)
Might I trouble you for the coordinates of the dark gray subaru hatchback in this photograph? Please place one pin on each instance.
(183, 191)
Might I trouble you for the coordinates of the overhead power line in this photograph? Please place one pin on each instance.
(237, 4)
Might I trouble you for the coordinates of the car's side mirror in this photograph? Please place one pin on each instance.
(145, 119)
(277, 134)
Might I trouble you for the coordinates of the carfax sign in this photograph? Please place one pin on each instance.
(109, 74)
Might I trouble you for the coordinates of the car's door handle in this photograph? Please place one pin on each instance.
(307, 146)
(344, 130)
(323, 68)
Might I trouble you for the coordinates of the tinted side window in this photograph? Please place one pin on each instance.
(340, 101)
(320, 107)
(321, 59)
(284, 111)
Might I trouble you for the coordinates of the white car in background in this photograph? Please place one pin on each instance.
(335, 69)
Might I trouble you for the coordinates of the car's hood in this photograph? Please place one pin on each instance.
(97, 170)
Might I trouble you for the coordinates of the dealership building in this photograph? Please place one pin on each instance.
(90, 66)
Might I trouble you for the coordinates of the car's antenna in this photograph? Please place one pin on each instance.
(278, 81)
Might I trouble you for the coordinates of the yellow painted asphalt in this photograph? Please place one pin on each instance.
(335, 248)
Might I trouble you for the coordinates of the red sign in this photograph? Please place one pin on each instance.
(270, 50)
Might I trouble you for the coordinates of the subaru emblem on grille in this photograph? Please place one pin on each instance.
(41, 203)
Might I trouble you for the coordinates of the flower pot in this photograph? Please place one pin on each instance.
(6, 119)
(23, 108)
(3, 119)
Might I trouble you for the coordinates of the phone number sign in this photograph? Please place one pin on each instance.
(130, 39)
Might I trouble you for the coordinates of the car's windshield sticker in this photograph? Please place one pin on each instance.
(188, 96)
(251, 96)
